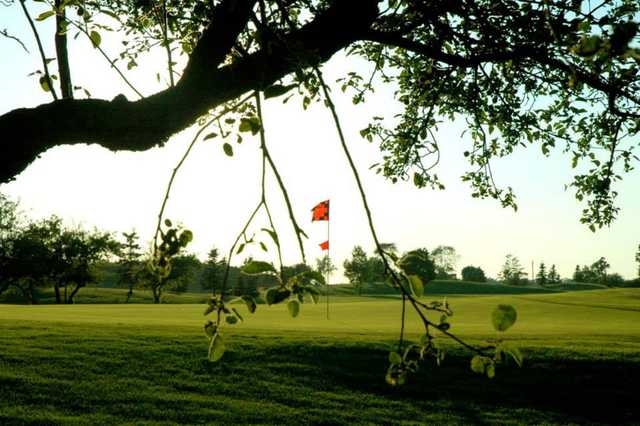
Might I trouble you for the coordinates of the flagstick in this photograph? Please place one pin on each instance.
(329, 266)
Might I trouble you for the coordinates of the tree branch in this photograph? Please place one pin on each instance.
(66, 87)
(141, 125)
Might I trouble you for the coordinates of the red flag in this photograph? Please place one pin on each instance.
(321, 211)
(325, 245)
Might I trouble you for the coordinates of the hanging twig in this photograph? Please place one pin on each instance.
(7, 35)
(108, 59)
(42, 55)
(396, 280)
(182, 160)
(298, 231)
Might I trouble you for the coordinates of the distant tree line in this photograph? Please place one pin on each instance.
(47, 254)
(364, 270)
(597, 274)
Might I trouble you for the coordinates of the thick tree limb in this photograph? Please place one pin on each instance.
(141, 125)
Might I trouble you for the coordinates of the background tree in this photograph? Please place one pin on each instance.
(75, 253)
(541, 277)
(212, 271)
(577, 274)
(298, 268)
(599, 268)
(131, 268)
(553, 276)
(356, 269)
(375, 270)
(325, 266)
(9, 219)
(585, 274)
(512, 271)
(615, 280)
(418, 262)
(445, 259)
(185, 269)
(27, 262)
(249, 285)
(473, 274)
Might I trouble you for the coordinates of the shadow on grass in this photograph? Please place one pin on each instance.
(69, 375)
(545, 389)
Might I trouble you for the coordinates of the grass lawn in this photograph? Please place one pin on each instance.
(139, 364)
(434, 288)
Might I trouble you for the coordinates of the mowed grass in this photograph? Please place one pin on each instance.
(93, 295)
(140, 364)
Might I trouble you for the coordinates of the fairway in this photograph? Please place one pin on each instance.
(112, 364)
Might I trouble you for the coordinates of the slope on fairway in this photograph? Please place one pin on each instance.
(599, 312)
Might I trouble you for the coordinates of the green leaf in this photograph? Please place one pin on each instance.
(96, 39)
(416, 285)
(395, 358)
(294, 308)
(418, 180)
(277, 90)
(263, 246)
(237, 314)
(216, 347)
(245, 126)
(210, 136)
(444, 326)
(231, 319)
(513, 352)
(478, 364)
(257, 267)
(274, 236)
(503, 317)
(276, 295)
(240, 248)
(250, 302)
(45, 15)
(44, 84)
(210, 328)
(210, 308)
(309, 278)
(250, 124)
(228, 149)
(167, 223)
(491, 370)
(186, 237)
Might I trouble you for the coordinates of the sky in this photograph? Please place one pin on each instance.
(213, 194)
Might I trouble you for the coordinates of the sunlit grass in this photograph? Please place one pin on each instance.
(113, 364)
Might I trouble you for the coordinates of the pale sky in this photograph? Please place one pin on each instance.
(214, 194)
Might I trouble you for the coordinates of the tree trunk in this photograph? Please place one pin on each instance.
(157, 291)
(56, 288)
(32, 296)
(129, 294)
(74, 292)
